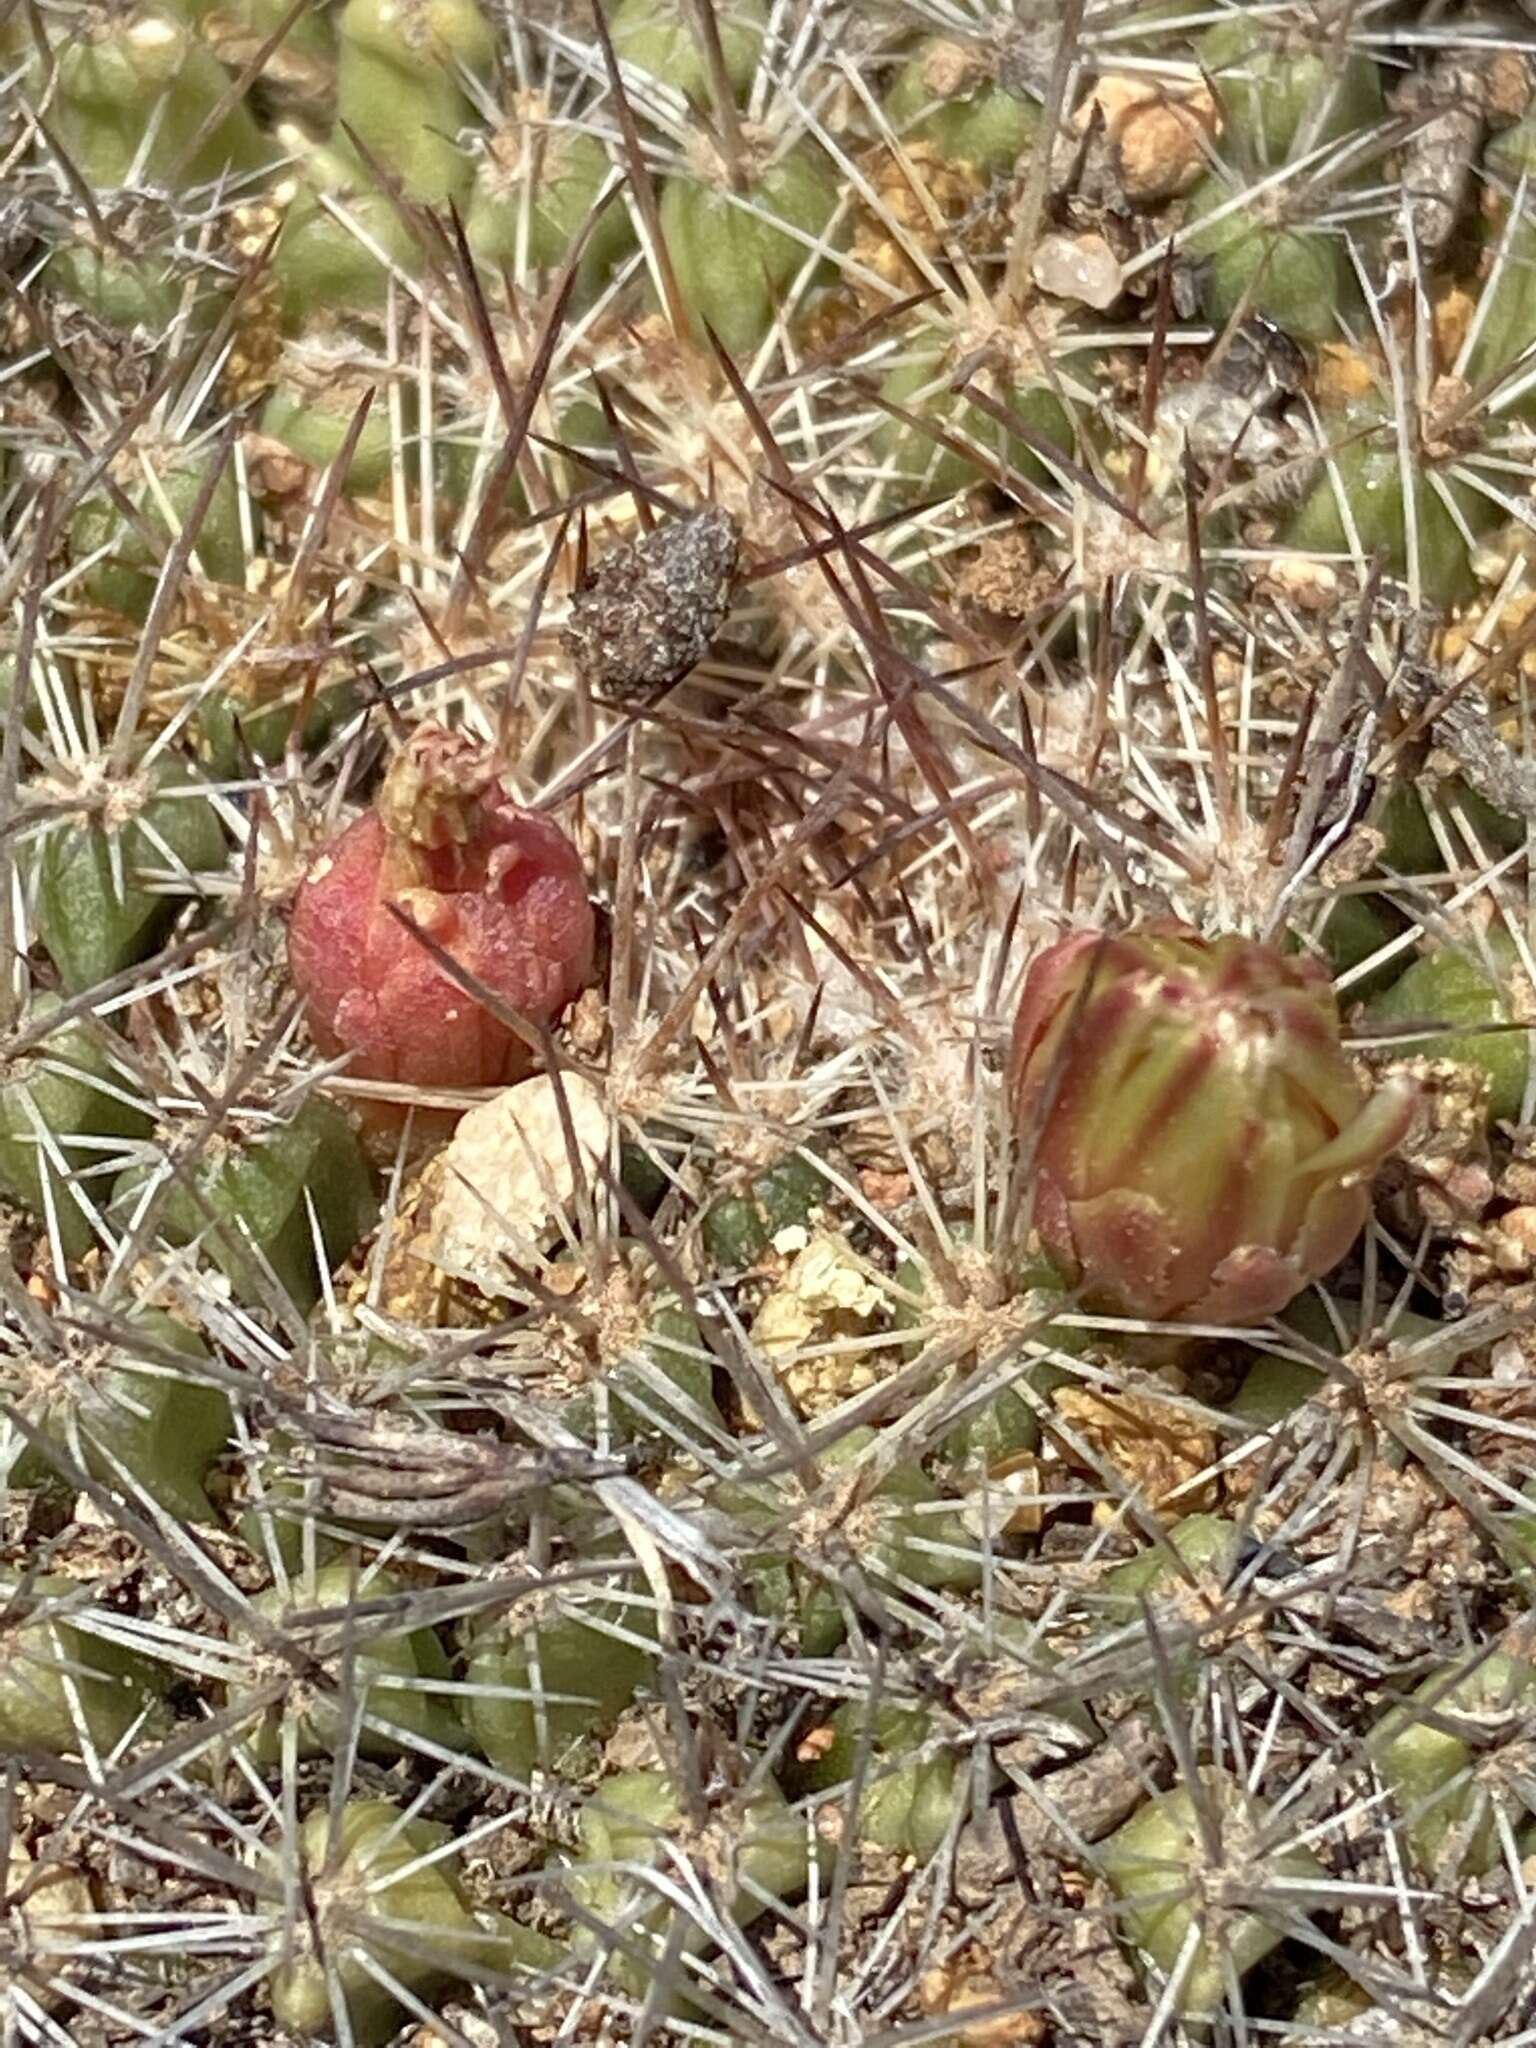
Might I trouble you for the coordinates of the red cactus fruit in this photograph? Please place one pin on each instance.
(1203, 1146)
(500, 889)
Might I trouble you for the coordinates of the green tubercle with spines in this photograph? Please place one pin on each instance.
(394, 1681)
(1295, 273)
(945, 95)
(918, 1537)
(98, 911)
(392, 1894)
(925, 466)
(64, 1683)
(326, 266)
(1288, 82)
(657, 36)
(124, 579)
(132, 96)
(735, 255)
(127, 289)
(270, 1183)
(1469, 991)
(1426, 1751)
(400, 88)
(1360, 504)
(545, 1683)
(760, 1846)
(739, 1229)
(136, 1416)
(535, 189)
(1161, 1868)
(70, 1089)
(911, 1789)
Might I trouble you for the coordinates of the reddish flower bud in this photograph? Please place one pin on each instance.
(501, 890)
(1203, 1145)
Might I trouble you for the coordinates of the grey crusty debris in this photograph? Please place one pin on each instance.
(1463, 727)
(649, 610)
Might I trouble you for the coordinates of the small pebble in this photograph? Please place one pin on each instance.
(1080, 267)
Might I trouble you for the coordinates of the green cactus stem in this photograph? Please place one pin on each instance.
(1425, 1751)
(1288, 82)
(127, 1413)
(658, 36)
(758, 1848)
(735, 255)
(1361, 504)
(947, 95)
(381, 1893)
(399, 87)
(107, 884)
(1170, 1886)
(133, 94)
(124, 579)
(906, 1535)
(549, 1676)
(534, 192)
(269, 1186)
(1291, 272)
(739, 1229)
(911, 1794)
(927, 467)
(311, 410)
(68, 1090)
(64, 1685)
(385, 1675)
(1468, 992)
(342, 238)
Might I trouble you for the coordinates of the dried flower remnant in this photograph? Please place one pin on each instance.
(647, 613)
(1202, 1144)
(498, 889)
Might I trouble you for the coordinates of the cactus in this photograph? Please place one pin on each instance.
(1425, 1752)
(658, 1577)
(105, 881)
(910, 1797)
(341, 239)
(389, 1899)
(736, 254)
(738, 1229)
(629, 1820)
(930, 467)
(132, 1415)
(260, 1206)
(1473, 994)
(1295, 272)
(69, 1687)
(389, 1674)
(400, 64)
(123, 580)
(62, 1104)
(942, 95)
(661, 39)
(534, 190)
(1362, 505)
(542, 1683)
(1170, 1874)
(133, 97)
(1288, 82)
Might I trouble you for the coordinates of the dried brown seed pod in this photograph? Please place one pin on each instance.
(646, 614)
